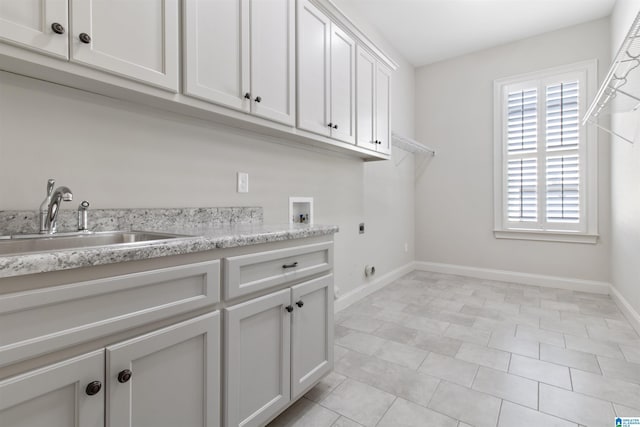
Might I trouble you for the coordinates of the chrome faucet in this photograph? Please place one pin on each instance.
(50, 207)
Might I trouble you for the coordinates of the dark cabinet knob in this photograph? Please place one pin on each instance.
(258, 99)
(335, 126)
(247, 95)
(57, 28)
(330, 125)
(289, 308)
(292, 265)
(93, 388)
(300, 303)
(85, 38)
(124, 376)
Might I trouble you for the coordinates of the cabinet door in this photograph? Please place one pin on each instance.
(216, 51)
(383, 108)
(174, 377)
(29, 24)
(273, 59)
(314, 30)
(135, 39)
(343, 90)
(56, 395)
(257, 352)
(365, 99)
(312, 333)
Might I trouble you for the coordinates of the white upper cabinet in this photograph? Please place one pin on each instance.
(298, 63)
(373, 97)
(314, 38)
(383, 108)
(365, 99)
(36, 24)
(273, 59)
(343, 85)
(135, 39)
(216, 51)
(326, 76)
(240, 54)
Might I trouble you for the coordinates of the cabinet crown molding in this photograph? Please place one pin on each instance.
(340, 18)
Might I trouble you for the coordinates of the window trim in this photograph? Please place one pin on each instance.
(589, 233)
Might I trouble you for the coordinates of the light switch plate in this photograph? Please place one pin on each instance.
(243, 182)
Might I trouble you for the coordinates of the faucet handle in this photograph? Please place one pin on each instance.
(50, 184)
(83, 221)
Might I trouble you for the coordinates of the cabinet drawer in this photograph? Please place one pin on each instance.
(250, 273)
(38, 321)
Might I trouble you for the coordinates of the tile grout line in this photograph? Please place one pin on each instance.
(499, 413)
(387, 410)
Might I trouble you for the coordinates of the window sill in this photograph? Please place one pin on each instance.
(546, 236)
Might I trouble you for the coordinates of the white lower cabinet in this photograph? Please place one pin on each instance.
(144, 365)
(168, 377)
(311, 333)
(276, 347)
(65, 394)
(257, 351)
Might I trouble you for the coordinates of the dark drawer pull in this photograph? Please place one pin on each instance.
(292, 265)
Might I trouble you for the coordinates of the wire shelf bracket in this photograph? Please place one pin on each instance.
(622, 84)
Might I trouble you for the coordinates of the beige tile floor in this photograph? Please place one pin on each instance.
(439, 350)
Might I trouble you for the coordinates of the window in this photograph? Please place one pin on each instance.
(545, 160)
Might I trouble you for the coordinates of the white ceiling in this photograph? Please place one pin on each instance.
(427, 31)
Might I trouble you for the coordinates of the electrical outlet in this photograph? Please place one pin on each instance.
(243, 182)
(406, 247)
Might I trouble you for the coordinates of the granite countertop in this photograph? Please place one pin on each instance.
(198, 236)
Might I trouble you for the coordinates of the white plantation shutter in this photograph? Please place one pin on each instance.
(522, 183)
(563, 134)
(522, 125)
(562, 121)
(563, 189)
(543, 170)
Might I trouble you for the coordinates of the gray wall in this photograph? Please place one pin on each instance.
(118, 154)
(454, 195)
(625, 180)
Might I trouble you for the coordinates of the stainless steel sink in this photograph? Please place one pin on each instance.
(18, 244)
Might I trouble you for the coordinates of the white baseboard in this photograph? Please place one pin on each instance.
(491, 274)
(370, 287)
(630, 313)
(539, 280)
(516, 277)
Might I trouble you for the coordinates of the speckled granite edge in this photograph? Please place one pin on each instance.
(26, 222)
(214, 238)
